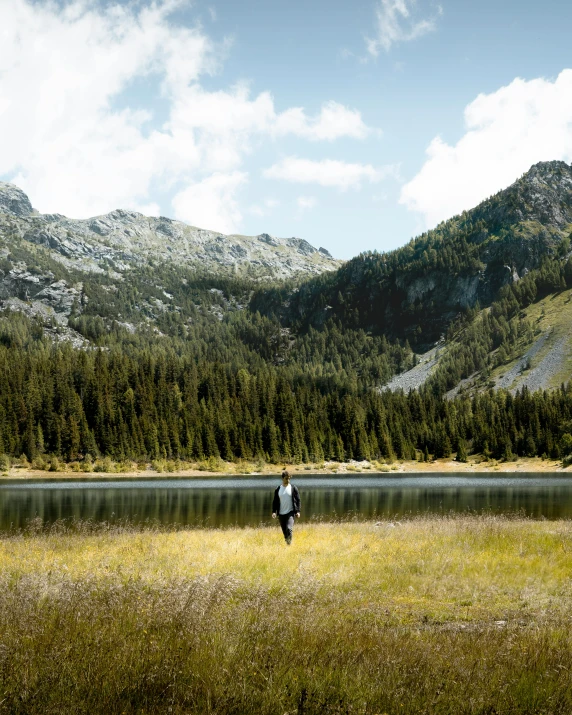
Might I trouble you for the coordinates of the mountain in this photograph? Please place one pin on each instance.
(121, 240)
(50, 265)
(415, 292)
(133, 272)
(118, 340)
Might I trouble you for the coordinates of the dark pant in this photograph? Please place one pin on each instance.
(287, 524)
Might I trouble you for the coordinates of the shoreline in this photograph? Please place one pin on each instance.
(475, 465)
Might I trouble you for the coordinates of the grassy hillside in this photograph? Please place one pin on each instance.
(546, 361)
(495, 346)
(539, 358)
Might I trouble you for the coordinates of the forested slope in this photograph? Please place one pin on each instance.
(164, 360)
(415, 292)
(144, 403)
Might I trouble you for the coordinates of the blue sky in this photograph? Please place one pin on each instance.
(354, 125)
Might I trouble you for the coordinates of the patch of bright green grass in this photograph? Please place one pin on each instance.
(552, 317)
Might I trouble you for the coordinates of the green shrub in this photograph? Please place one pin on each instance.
(104, 465)
(215, 464)
(54, 464)
(87, 463)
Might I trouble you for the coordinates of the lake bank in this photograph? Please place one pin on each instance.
(245, 501)
(433, 615)
(475, 464)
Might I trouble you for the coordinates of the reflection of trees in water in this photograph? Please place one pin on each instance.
(225, 507)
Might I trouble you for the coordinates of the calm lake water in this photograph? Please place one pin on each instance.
(247, 501)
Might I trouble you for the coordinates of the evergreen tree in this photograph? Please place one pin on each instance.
(461, 451)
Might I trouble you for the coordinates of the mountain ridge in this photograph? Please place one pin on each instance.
(122, 238)
(69, 273)
(414, 292)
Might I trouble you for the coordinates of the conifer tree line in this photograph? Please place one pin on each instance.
(69, 403)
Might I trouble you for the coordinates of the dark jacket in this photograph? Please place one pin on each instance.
(295, 500)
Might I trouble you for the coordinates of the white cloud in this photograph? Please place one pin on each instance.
(228, 120)
(61, 67)
(306, 202)
(399, 21)
(328, 172)
(82, 86)
(150, 209)
(507, 131)
(333, 122)
(219, 126)
(212, 203)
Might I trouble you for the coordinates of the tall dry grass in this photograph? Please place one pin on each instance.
(460, 615)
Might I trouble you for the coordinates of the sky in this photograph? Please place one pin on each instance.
(355, 125)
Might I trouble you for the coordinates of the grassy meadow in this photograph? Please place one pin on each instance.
(430, 615)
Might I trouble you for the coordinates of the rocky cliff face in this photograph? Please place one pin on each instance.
(14, 201)
(34, 247)
(122, 239)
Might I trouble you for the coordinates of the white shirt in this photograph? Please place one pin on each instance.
(286, 503)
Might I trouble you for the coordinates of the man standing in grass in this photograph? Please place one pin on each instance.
(286, 504)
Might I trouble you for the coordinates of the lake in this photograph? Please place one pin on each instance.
(247, 500)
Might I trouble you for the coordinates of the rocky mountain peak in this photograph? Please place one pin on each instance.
(51, 266)
(543, 195)
(14, 201)
(547, 181)
(548, 171)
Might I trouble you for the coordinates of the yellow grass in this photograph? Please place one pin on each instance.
(462, 568)
(434, 615)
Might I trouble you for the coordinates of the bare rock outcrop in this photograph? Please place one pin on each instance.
(14, 201)
(125, 239)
